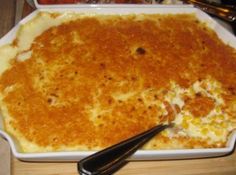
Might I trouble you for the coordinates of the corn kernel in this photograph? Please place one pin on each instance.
(196, 121)
(218, 109)
(218, 132)
(204, 131)
(185, 125)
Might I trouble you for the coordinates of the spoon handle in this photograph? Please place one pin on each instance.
(223, 12)
(112, 158)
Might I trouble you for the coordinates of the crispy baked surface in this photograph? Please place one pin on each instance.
(88, 82)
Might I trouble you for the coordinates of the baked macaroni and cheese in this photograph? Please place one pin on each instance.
(84, 82)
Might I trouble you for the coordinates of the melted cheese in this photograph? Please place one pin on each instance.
(7, 53)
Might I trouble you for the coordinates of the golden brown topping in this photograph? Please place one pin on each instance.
(200, 106)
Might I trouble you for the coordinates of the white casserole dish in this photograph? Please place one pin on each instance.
(226, 36)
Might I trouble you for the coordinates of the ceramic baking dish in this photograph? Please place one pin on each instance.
(226, 36)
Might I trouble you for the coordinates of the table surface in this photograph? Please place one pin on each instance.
(10, 13)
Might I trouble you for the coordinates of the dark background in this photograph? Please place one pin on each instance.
(231, 2)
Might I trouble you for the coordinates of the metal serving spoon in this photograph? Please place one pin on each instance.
(109, 160)
(227, 13)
